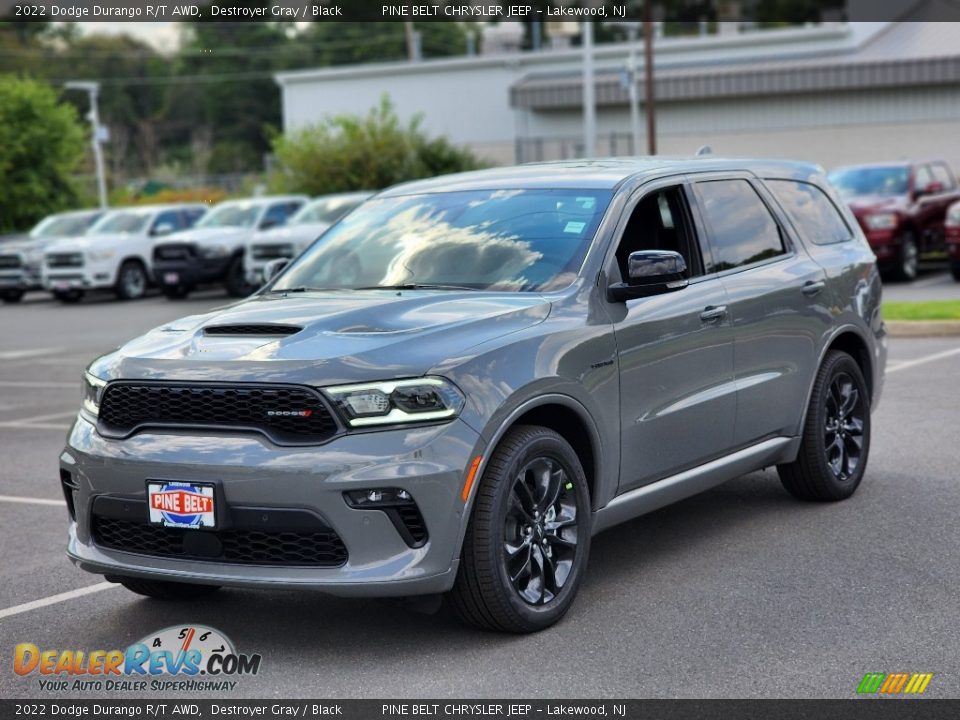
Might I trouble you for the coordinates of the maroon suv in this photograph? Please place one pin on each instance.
(901, 207)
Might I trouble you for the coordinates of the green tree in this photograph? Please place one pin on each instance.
(350, 152)
(41, 146)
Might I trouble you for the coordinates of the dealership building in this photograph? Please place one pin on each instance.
(831, 93)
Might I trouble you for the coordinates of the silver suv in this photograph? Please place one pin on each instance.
(467, 377)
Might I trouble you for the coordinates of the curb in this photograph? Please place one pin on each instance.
(923, 328)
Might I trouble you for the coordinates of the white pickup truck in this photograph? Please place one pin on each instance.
(301, 230)
(115, 253)
(21, 259)
(212, 252)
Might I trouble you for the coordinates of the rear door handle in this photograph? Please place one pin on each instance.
(713, 313)
(813, 287)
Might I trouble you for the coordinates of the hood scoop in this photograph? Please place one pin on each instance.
(251, 329)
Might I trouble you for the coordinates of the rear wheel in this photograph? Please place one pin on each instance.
(836, 435)
(908, 258)
(236, 281)
(161, 590)
(131, 281)
(11, 296)
(955, 270)
(529, 536)
(68, 296)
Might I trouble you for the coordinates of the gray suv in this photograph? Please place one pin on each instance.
(468, 377)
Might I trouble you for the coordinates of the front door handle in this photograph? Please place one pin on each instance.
(712, 313)
(813, 287)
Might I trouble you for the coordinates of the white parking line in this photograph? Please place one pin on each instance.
(21, 354)
(923, 360)
(30, 500)
(38, 384)
(54, 599)
(38, 420)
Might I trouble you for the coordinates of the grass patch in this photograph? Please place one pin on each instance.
(929, 310)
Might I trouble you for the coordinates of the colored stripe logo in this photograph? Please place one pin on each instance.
(894, 683)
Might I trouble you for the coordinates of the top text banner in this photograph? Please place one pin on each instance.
(442, 10)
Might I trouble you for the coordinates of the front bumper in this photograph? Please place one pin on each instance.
(190, 273)
(89, 276)
(428, 462)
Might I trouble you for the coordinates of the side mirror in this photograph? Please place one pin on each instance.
(274, 268)
(650, 272)
(163, 229)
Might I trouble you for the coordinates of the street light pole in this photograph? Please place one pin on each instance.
(93, 90)
(589, 101)
(649, 100)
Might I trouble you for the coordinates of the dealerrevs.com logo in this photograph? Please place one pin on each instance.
(177, 658)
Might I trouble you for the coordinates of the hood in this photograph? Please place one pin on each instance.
(867, 204)
(305, 232)
(208, 235)
(83, 243)
(349, 336)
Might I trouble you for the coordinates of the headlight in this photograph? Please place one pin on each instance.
(214, 251)
(92, 392)
(100, 255)
(397, 401)
(886, 221)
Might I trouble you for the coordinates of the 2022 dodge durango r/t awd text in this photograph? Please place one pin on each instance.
(467, 377)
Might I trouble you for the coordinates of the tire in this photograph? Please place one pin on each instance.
(955, 270)
(11, 296)
(835, 444)
(68, 297)
(176, 292)
(161, 590)
(131, 281)
(905, 266)
(483, 593)
(236, 282)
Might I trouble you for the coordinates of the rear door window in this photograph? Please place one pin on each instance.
(741, 229)
(811, 211)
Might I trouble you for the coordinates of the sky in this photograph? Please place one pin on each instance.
(162, 35)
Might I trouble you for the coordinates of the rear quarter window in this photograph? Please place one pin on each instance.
(811, 211)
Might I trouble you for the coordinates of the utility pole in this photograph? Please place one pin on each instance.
(633, 29)
(650, 99)
(413, 52)
(589, 100)
(93, 90)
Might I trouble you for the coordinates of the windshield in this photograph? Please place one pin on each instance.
(234, 214)
(506, 240)
(326, 210)
(121, 221)
(893, 180)
(64, 225)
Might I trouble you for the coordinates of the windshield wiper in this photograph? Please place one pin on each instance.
(416, 286)
(303, 288)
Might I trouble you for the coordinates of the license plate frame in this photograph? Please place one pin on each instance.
(185, 504)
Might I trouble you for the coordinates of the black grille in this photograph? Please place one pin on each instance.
(175, 251)
(322, 548)
(251, 329)
(288, 415)
(64, 260)
(9, 261)
(271, 252)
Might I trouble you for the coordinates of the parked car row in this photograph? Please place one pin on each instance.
(903, 209)
(178, 247)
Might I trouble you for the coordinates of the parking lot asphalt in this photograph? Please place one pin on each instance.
(932, 284)
(739, 592)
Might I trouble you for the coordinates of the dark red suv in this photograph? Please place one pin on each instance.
(901, 207)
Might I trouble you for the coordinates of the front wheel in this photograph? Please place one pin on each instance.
(836, 435)
(955, 270)
(236, 281)
(908, 258)
(528, 539)
(131, 281)
(11, 296)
